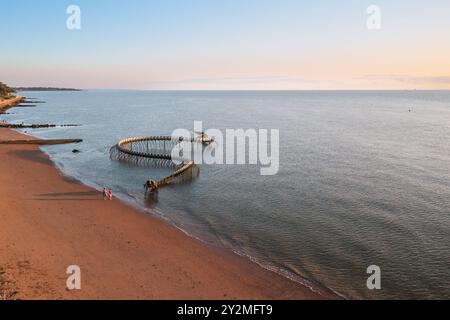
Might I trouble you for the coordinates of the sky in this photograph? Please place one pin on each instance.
(226, 44)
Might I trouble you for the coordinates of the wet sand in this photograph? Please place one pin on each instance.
(49, 222)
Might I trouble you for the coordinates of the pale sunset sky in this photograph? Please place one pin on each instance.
(226, 44)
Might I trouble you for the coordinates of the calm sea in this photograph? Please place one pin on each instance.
(364, 178)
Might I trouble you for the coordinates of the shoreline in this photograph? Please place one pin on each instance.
(51, 221)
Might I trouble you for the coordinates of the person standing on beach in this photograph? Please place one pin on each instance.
(110, 194)
(105, 193)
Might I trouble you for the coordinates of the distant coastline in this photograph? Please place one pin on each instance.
(44, 89)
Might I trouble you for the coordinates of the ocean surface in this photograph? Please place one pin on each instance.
(364, 179)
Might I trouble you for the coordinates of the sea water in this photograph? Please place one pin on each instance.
(364, 178)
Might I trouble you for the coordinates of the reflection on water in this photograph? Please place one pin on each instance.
(151, 199)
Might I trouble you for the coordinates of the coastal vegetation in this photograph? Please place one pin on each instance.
(5, 91)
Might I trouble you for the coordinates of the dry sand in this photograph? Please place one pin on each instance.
(48, 222)
(4, 103)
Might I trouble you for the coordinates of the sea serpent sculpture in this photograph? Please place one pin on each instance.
(157, 151)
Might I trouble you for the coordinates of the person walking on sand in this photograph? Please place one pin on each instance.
(105, 193)
(110, 194)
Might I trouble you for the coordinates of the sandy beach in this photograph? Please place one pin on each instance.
(49, 222)
(6, 103)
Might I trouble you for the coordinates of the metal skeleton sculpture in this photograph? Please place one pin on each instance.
(157, 151)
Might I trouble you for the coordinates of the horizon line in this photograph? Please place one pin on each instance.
(220, 90)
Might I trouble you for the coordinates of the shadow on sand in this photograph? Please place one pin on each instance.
(69, 196)
(32, 155)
